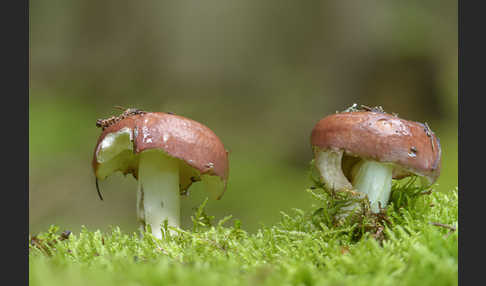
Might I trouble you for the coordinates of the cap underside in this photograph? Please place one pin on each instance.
(116, 153)
(349, 160)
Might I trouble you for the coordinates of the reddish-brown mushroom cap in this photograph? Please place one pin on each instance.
(190, 141)
(381, 137)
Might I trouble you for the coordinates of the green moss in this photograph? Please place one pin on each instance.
(302, 249)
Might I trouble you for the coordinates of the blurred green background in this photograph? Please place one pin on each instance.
(260, 74)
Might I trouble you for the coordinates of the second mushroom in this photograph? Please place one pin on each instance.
(166, 153)
(363, 149)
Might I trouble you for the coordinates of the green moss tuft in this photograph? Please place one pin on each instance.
(304, 248)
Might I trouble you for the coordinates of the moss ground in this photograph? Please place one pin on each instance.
(415, 245)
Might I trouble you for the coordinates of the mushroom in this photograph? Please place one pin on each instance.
(363, 149)
(166, 153)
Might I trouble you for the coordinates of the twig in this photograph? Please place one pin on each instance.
(449, 227)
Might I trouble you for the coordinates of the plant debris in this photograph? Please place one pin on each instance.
(47, 243)
(451, 228)
(105, 123)
(356, 108)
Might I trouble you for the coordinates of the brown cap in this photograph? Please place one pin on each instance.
(382, 137)
(193, 143)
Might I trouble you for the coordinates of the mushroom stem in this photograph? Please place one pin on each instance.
(368, 177)
(158, 195)
(375, 180)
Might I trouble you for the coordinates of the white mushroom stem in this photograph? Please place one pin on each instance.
(158, 197)
(368, 177)
(375, 180)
